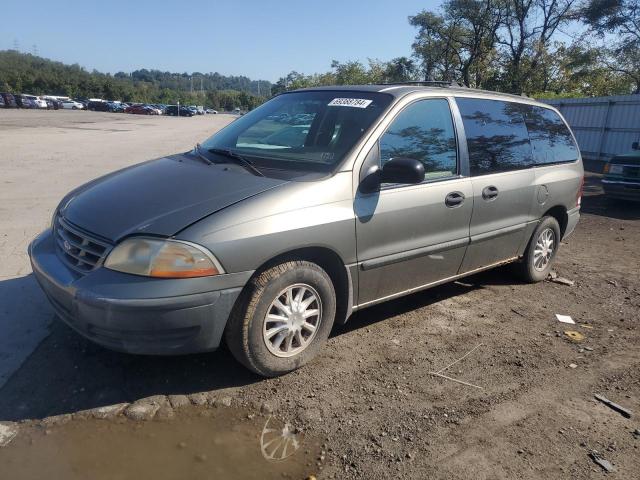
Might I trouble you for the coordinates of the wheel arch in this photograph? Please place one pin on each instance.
(331, 262)
(559, 212)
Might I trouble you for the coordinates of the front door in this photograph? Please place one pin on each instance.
(409, 236)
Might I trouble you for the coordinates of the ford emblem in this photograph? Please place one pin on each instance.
(67, 246)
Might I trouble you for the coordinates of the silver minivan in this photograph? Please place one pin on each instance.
(319, 203)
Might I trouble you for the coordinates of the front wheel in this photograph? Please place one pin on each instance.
(541, 251)
(283, 318)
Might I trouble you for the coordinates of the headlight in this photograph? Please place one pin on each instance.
(162, 258)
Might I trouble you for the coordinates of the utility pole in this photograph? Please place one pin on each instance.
(16, 45)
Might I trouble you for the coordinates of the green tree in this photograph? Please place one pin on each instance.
(620, 18)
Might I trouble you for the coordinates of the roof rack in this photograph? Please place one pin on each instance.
(428, 83)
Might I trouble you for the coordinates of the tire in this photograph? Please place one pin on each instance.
(245, 333)
(533, 268)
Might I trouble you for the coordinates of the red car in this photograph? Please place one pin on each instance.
(140, 110)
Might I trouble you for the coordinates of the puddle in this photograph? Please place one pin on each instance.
(224, 445)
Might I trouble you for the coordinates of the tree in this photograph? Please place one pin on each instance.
(622, 19)
(529, 27)
(400, 69)
(459, 43)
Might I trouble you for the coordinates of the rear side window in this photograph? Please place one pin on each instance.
(497, 136)
(551, 140)
(424, 131)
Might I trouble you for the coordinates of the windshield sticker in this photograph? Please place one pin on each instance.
(350, 102)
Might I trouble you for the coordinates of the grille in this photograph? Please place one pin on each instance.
(631, 171)
(79, 250)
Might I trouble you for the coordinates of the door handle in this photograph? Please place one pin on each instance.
(489, 193)
(454, 199)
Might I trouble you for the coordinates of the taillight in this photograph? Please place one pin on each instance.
(579, 195)
(606, 167)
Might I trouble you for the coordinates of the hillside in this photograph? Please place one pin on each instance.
(26, 73)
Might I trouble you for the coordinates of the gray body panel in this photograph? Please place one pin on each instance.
(391, 242)
(498, 225)
(407, 237)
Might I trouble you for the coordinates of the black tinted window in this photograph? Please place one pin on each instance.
(550, 138)
(496, 135)
(424, 131)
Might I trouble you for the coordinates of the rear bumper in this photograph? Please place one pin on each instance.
(625, 190)
(573, 216)
(136, 314)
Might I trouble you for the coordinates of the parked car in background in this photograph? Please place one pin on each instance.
(9, 100)
(116, 107)
(211, 111)
(156, 108)
(72, 105)
(38, 102)
(2, 102)
(621, 180)
(98, 106)
(274, 240)
(26, 101)
(83, 101)
(172, 110)
(141, 109)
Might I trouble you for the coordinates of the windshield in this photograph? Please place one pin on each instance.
(310, 130)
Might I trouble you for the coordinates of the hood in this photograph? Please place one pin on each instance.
(160, 197)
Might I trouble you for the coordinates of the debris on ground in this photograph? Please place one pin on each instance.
(562, 281)
(614, 406)
(636, 433)
(8, 432)
(573, 365)
(565, 319)
(574, 336)
(439, 372)
(605, 464)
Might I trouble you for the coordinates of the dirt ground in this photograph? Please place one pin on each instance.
(369, 399)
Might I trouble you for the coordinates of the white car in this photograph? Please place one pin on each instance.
(72, 105)
(211, 111)
(39, 101)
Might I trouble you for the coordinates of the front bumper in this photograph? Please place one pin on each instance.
(137, 314)
(622, 189)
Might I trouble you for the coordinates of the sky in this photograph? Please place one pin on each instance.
(260, 39)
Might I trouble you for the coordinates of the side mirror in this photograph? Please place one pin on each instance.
(635, 146)
(402, 170)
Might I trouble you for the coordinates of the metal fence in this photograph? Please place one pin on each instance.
(603, 126)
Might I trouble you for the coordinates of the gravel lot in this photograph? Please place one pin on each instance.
(369, 398)
(43, 155)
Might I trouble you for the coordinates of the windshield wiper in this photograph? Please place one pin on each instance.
(239, 160)
(201, 155)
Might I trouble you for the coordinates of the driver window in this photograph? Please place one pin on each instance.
(424, 131)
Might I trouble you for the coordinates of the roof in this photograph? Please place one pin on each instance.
(400, 90)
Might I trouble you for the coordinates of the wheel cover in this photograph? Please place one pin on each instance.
(292, 320)
(543, 251)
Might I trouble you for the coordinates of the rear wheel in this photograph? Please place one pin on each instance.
(283, 318)
(541, 251)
